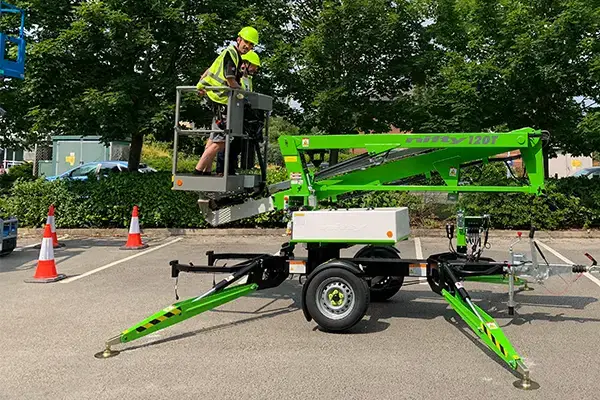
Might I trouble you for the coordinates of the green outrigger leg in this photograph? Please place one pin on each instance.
(176, 313)
(490, 333)
(486, 328)
(495, 279)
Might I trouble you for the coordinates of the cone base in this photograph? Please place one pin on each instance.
(135, 247)
(46, 280)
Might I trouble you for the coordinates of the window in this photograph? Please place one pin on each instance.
(84, 170)
(595, 174)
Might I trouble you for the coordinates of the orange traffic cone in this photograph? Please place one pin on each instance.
(134, 240)
(46, 267)
(50, 221)
(55, 243)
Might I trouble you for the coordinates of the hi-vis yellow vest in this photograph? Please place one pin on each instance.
(246, 83)
(216, 77)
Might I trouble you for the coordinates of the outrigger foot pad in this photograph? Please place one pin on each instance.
(108, 352)
(526, 384)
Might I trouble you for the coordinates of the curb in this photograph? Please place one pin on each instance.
(416, 232)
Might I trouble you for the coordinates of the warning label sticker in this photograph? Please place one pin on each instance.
(297, 267)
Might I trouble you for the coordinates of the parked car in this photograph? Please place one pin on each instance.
(7, 164)
(103, 168)
(589, 172)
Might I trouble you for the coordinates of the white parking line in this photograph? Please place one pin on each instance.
(419, 254)
(68, 280)
(29, 246)
(566, 260)
(418, 248)
(26, 247)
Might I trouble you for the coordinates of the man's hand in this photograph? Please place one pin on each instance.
(201, 90)
(234, 85)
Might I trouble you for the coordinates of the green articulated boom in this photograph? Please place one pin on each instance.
(387, 162)
(393, 157)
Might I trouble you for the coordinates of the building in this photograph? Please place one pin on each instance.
(564, 165)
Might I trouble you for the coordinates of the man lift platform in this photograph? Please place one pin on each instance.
(337, 290)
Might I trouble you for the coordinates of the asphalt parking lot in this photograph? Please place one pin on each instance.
(260, 347)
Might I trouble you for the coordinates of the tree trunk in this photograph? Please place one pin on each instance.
(135, 151)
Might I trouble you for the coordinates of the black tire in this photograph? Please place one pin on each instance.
(356, 296)
(382, 287)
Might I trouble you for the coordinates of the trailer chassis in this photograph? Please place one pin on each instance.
(337, 290)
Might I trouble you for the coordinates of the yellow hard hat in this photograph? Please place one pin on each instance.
(249, 34)
(252, 58)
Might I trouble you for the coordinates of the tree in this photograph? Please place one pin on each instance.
(513, 63)
(344, 61)
(110, 67)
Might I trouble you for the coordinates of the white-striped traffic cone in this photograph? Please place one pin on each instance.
(134, 240)
(50, 221)
(46, 267)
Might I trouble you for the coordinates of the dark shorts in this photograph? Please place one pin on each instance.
(218, 122)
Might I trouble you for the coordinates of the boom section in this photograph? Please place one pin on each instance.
(390, 158)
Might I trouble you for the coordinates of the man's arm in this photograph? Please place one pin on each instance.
(233, 83)
(230, 72)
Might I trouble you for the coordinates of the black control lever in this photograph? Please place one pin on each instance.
(450, 231)
(531, 232)
(540, 251)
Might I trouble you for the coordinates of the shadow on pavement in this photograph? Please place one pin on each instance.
(262, 316)
(26, 259)
(23, 259)
(463, 328)
(409, 304)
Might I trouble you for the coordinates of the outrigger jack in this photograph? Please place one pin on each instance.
(336, 291)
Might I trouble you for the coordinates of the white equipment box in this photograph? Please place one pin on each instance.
(358, 225)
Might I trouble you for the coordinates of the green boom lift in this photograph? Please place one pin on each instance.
(337, 290)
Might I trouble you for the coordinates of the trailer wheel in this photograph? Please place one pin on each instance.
(382, 287)
(337, 299)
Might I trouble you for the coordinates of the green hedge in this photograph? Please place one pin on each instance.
(571, 203)
(104, 203)
(22, 171)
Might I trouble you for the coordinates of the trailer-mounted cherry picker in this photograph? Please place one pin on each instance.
(337, 290)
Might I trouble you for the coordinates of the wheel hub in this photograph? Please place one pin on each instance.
(335, 299)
